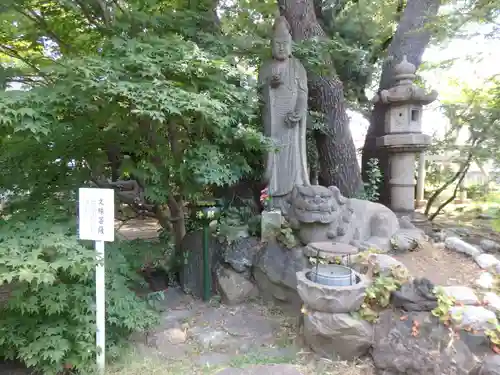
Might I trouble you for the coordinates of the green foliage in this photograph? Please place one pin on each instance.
(372, 186)
(286, 236)
(47, 321)
(378, 294)
(445, 302)
(234, 222)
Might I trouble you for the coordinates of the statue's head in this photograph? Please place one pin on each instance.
(282, 39)
(314, 204)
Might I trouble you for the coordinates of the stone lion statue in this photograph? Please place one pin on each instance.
(322, 214)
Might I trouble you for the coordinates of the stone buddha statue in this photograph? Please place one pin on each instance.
(283, 89)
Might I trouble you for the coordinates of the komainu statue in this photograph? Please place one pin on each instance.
(323, 214)
(283, 93)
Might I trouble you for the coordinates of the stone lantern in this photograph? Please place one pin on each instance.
(403, 134)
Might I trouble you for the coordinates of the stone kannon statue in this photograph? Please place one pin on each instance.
(322, 214)
(283, 89)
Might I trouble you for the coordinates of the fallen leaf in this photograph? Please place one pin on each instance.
(495, 348)
(404, 317)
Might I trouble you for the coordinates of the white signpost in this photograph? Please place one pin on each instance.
(96, 222)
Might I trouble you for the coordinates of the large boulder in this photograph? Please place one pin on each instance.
(416, 295)
(430, 352)
(234, 287)
(337, 336)
(241, 254)
(275, 273)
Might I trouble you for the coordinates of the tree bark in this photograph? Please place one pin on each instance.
(411, 39)
(338, 164)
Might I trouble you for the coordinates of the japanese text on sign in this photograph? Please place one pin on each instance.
(96, 214)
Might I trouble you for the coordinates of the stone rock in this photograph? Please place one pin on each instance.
(396, 351)
(461, 294)
(407, 239)
(234, 287)
(337, 336)
(492, 301)
(415, 296)
(167, 338)
(485, 216)
(439, 236)
(384, 262)
(261, 370)
(275, 272)
(209, 338)
(331, 299)
(497, 268)
(489, 245)
(476, 317)
(192, 271)
(490, 366)
(486, 261)
(485, 280)
(270, 224)
(457, 244)
(241, 253)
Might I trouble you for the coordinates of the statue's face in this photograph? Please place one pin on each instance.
(282, 48)
(314, 204)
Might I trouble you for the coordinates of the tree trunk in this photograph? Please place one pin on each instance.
(338, 164)
(411, 39)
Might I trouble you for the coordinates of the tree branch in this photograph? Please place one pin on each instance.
(452, 198)
(465, 166)
(42, 23)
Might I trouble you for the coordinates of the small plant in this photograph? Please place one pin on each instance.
(286, 237)
(378, 294)
(445, 302)
(494, 337)
(234, 222)
(372, 186)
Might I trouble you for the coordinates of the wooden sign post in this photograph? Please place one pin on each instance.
(96, 222)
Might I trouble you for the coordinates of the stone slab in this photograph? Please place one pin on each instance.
(461, 294)
(457, 244)
(270, 223)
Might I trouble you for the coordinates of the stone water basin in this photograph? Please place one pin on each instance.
(331, 299)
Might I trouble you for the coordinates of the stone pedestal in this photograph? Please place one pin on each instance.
(402, 150)
(420, 180)
(270, 224)
(404, 139)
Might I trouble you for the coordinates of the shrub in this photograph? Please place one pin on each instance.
(48, 319)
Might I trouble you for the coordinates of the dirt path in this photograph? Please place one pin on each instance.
(201, 338)
(441, 266)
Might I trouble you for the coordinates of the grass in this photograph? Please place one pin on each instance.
(135, 364)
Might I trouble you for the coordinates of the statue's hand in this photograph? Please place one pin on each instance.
(292, 119)
(275, 80)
